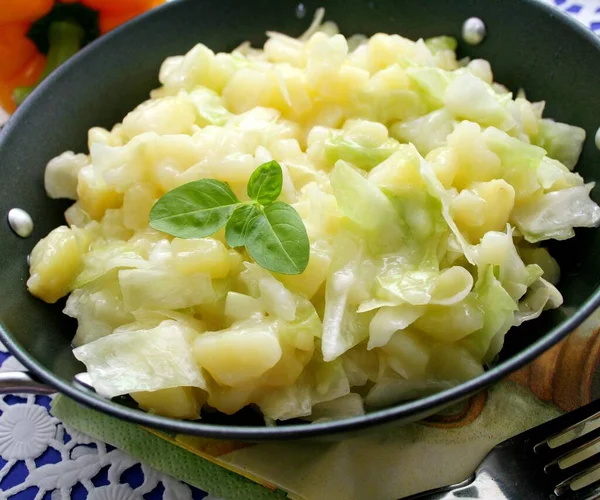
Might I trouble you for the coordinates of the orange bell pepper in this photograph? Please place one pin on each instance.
(115, 12)
(29, 75)
(22, 66)
(24, 11)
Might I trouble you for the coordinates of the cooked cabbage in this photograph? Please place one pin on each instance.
(424, 188)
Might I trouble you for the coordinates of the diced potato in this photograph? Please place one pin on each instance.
(189, 70)
(229, 400)
(205, 255)
(444, 162)
(137, 203)
(247, 89)
(113, 227)
(55, 262)
(467, 210)
(170, 115)
(324, 57)
(385, 50)
(179, 150)
(143, 241)
(485, 207)
(277, 300)
(389, 79)
(309, 281)
(343, 86)
(60, 177)
(288, 368)
(500, 199)
(282, 48)
(99, 135)
(222, 68)
(324, 114)
(239, 306)
(76, 216)
(94, 195)
(238, 356)
(477, 162)
(175, 402)
(294, 92)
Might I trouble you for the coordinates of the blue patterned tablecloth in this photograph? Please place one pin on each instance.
(42, 459)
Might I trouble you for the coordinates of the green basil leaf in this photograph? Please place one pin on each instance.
(265, 183)
(194, 210)
(237, 226)
(277, 240)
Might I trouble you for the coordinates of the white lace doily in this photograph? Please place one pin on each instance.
(42, 459)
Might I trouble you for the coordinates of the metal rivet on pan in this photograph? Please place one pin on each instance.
(598, 138)
(20, 222)
(300, 11)
(29, 260)
(473, 31)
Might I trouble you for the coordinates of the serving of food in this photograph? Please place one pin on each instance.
(316, 228)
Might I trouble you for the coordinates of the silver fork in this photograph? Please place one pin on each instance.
(526, 467)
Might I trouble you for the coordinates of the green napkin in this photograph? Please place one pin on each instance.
(160, 454)
(384, 464)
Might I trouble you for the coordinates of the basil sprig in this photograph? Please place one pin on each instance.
(272, 231)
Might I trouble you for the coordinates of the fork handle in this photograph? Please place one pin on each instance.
(446, 492)
(22, 382)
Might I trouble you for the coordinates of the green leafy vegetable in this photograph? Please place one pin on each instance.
(273, 232)
(265, 183)
(276, 239)
(194, 210)
(237, 226)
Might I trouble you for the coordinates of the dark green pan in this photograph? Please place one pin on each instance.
(529, 44)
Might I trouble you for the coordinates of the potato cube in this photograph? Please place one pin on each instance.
(55, 262)
(239, 306)
(137, 203)
(204, 255)
(175, 402)
(485, 207)
(113, 227)
(476, 161)
(444, 162)
(308, 282)
(247, 89)
(94, 195)
(169, 115)
(238, 356)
